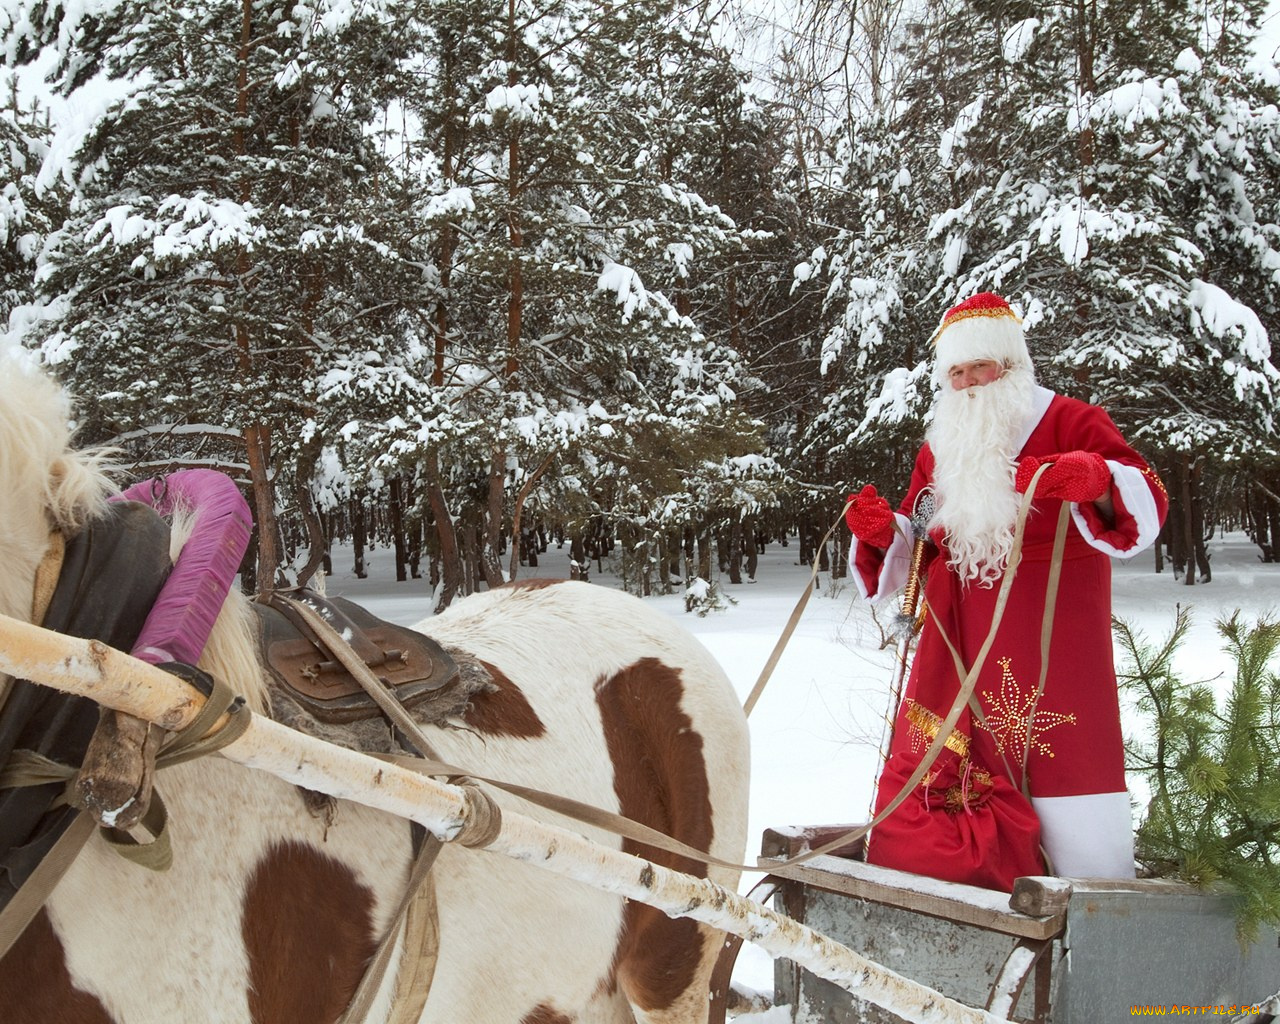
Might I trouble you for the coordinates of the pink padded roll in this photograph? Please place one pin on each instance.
(182, 617)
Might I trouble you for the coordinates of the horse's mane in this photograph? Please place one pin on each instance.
(36, 452)
(46, 483)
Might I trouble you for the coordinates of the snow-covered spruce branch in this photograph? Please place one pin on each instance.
(167, 429)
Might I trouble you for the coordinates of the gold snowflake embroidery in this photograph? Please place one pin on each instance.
(1013, 719)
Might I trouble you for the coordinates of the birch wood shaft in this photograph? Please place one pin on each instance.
(114, 679)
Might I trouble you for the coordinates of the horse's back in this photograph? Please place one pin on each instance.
(620, 707)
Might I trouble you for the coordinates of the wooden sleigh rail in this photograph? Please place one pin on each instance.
(1035, 909)
(113, 679)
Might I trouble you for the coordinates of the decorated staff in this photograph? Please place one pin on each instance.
(1036, 756)
(909, 618)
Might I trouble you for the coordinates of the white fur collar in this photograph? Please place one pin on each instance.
(1039, 406)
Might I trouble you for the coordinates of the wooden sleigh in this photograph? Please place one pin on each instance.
(1056, 951)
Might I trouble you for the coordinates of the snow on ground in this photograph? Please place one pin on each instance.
(817, 728)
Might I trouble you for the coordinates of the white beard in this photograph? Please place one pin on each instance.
(975, 437)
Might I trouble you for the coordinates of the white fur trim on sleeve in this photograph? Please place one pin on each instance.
(1134, 492)
(895, 568)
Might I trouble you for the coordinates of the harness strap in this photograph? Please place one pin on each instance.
(31, 896)
(416, 912)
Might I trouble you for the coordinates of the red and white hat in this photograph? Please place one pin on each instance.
(981, 327)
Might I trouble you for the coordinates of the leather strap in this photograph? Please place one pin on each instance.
(31, 896)
(794, 620)
(416, 912)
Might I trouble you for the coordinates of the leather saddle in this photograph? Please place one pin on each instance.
(413, 666)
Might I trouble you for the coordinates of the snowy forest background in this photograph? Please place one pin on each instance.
(652, 276)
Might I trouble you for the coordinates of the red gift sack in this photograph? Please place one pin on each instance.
(962, 823)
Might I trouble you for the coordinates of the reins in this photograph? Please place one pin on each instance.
(792, 622)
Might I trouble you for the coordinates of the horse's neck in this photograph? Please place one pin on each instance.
(231, 652)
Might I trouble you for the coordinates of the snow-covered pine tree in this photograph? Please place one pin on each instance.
(27, 211)
(1094, 163)
(690, 128)
(559, 234)
(232, 245)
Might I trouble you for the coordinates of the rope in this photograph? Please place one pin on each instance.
(792, 622)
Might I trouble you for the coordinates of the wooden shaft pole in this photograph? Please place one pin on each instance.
(114, 679)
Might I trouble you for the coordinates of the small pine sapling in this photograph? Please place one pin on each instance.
(1210, 764)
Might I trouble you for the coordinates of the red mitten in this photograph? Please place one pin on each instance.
(870, 518)
(1072, 476)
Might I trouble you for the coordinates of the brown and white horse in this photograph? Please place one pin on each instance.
(269, 913)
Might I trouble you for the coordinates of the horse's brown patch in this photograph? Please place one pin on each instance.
(35, 986)
(504, 711)
(296, 897)
(544, 1014)
(660, 778)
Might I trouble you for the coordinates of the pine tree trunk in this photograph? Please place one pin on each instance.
(413, 530)
(1188, 521)
(317, 543)
(1198, 533)
(517, 513)
(397, 529)
(690, 557)
(249, 565)
(451, 572)
(672, 569)
(358, 538)
(467, 542)
(1268, 518)
(490, 554)
(326, 528)
(257, 441)
(806, 540)
(735, 551)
